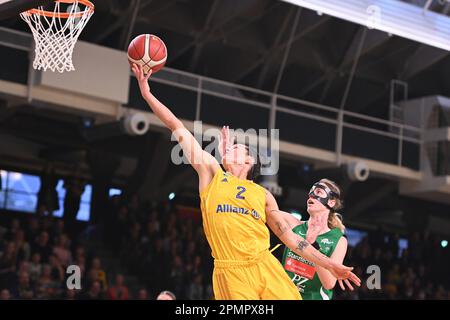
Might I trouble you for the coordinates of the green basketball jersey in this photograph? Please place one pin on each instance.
(302, 272)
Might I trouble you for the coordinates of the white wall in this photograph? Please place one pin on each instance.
(100, 72)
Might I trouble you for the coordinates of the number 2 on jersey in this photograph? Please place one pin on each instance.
(242, 190)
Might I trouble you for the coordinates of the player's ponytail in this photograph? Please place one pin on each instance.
(335, 219)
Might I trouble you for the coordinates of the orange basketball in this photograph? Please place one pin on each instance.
(149, 51)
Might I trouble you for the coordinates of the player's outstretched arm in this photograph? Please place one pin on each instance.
(327, 279)
(277, 223)
(201, 161)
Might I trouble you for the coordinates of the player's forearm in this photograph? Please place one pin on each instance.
(162, 112)
(290, 220)
(326, 278)
(301, 247)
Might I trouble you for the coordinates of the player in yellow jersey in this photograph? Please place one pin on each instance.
(235, 213)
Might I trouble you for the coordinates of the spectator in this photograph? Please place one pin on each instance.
(99, 273)
(35, 267)
(57, 272)
(197, 269)
(166, 295)
(81, 263)
(58, 228)
(142, 294)
(42, 246)
(8, 261)
(440, 293)
(119, 291)
(47, 225)
(416, 247)
(392, 244)
(195, 291)
(70, 294)
(61, 250)
(131, 251)
(133, 208)
(24, 266)
(22, 246)
(177, 275)
(391, 291)
(46, 286)
(151, 233)
(5, 295)
(80, 252)
(24, 289)
(94, 293)
(119, 227)
(33, 229)
(15, 227)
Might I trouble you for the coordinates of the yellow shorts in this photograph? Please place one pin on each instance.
(261, 279)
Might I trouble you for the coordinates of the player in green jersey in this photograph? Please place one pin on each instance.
(325, 231)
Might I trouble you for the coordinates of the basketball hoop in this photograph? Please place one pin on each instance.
(56, 32)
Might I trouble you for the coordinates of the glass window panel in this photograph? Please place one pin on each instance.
(21, 202)
(86, 197)
(354, 236)
(84, 212)
(23, 182)
(59, 213)
(113, 192)
(60, 189)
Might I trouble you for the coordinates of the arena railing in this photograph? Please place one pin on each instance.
(403, 144)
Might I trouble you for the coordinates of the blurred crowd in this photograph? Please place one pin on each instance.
(166, 249)
(417, 272)
(162, 249)
(34, 254)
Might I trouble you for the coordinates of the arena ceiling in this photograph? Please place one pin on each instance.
(247, 42)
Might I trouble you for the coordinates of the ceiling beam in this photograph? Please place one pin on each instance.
(423, 58)
(125, 37)
(125, 18)
(119, 22)
(282, 47)
(287, 51)
(203, 36)
(274, 48)
(373, 39)
(213, 32)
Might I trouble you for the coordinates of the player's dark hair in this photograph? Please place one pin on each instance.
(255, 171)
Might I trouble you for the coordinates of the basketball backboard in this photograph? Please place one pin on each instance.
(11, 8)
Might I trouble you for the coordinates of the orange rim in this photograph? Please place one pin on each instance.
(64, 15)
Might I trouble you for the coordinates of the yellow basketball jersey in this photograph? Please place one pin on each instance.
(234, 217)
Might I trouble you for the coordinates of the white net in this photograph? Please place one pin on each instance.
(55, 34)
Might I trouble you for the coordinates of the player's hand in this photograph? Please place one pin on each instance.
(347, 283)
(225, 141)
(142, 78)
(342, 272)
